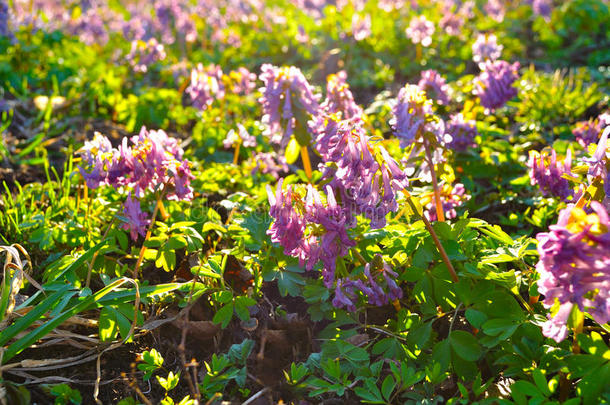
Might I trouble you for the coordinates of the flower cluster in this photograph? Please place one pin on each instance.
(598, 164)
(376, 274)
(547, 172)
(361, 179)
(308, 229)
(270, 163)
(241, 136)
(542, 8)
(588, 132)
(174, 16)
(339, 98)
(144, 54)
(435, 86)
(574, 267)
(286, 94)
(410, 114)
(240, 81)
(420, 30)
(451, 198)
(145, 163)
(486, 47)
(495, 9)
(361, 27)
(366, 182)
(4, 19)
(494, 85)
(206, 85)
(452, 23)
(459, 133)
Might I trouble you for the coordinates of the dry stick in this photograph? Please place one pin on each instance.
(306, 161)
(440, 215)
(437, 242)
(255, 396)
(95, 255)
(148, 232)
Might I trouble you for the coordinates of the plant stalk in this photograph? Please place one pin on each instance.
(136, 270)
(306, 162)
(437, 242)
(440, 214)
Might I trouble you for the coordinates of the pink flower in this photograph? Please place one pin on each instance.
(137, 221)
(420, 30)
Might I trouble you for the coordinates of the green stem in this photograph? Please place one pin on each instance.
(440, 214)
(136, 270)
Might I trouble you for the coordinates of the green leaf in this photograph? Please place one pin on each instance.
(387, 387)
(107, 325)
(170, 382)
(224, 315)
(465, 345)
(476, 318)
(541, 382)
(525, 387)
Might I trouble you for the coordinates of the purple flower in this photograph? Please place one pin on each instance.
(494, 85)
(366, 177)
(486, 48)
(410, 114)
(153, 160)
(452, 23)
(376, 275)
(286, 95)
(339, 98)
(96, 156)
(598, 164)
(390, 5)
(242, 81)
(495, 9)
(4, 19)
(542, 8)
(137, 221)
(588, 132)
(206, 86)
(420, 30)
(547, 172)
(270, 163)
(242, 136)
(90, 26)
(288, 227)
(361, 27)
(435, 86)
(459, 133)
(174, 17)
(451, 198)
(309, 230)
(574, 267)
(144, 54)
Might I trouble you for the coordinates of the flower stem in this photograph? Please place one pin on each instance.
(580, 321)
(418, 52)
(236, 154)
(306, 162)
(136, 270)
(437, 242)
(440, 214)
